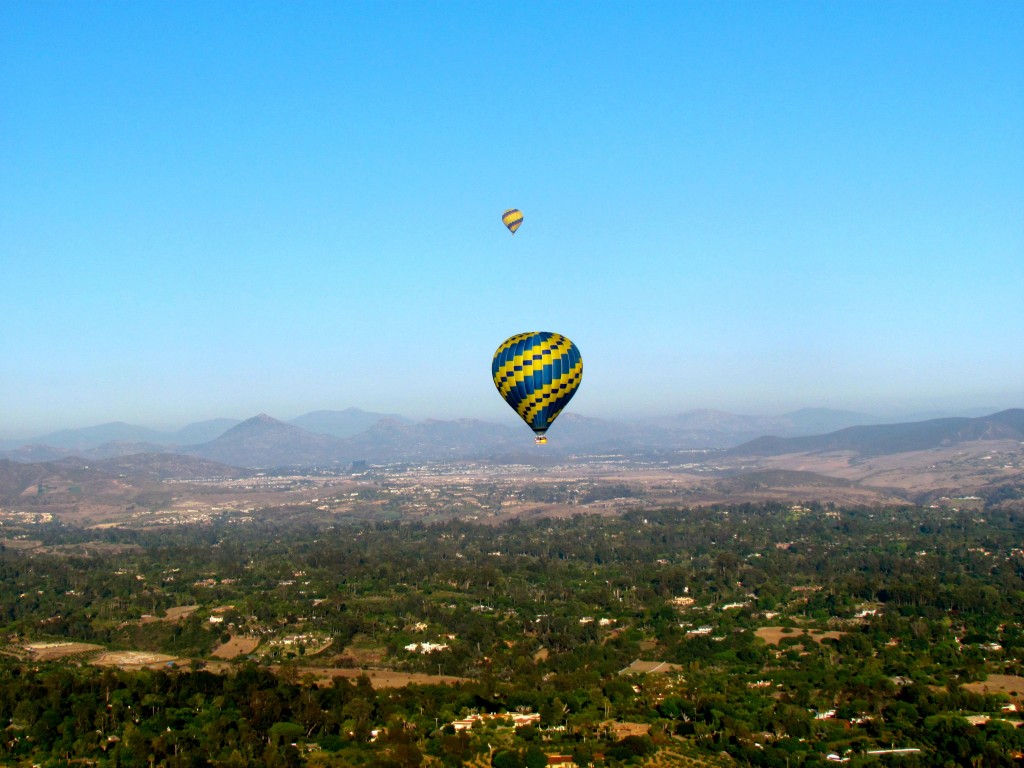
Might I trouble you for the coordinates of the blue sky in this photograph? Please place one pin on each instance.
(220, 209)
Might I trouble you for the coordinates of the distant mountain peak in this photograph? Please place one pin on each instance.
(261, 424)
(265, 441)
(259, 420)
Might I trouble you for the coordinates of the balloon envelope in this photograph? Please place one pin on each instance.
(512, 218)
(537, 373)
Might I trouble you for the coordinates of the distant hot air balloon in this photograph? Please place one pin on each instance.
(512, 218)
(537, 374)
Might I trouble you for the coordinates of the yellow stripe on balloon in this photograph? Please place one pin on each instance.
(525, 359)
(512, 218)
(537, 374)
(534, 402)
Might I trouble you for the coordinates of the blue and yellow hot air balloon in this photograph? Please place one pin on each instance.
(537, 373)
(513, 219)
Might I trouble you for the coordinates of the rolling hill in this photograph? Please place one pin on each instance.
(263, 441)
(18, 478)
(885, 439)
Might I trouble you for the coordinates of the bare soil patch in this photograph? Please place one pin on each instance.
(181, 612)
(773, 635)
(1012, 685)
(236, 646)
(133, 659)
(53, 651)
(380, 678)
(621, 730)
(173, 614)
(651, 668)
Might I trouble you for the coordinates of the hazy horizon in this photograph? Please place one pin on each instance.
(217, 210)
(499, 417)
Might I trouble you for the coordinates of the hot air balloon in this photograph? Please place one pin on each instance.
(537, 373)
(512, 218)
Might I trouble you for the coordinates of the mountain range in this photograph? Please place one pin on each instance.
(343, 437)
(885, 439)
(344, 423)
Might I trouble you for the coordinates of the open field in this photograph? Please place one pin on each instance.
(179, 613)
(172, 615)
(652, 667)
(134, 659)
(1011, 685)
(622, 729)
(380, 678)
(237, 645)
(773, 635)
(958, 470)
(54, 651)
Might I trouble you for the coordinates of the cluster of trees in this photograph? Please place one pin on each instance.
(250, 717)
(541, 615)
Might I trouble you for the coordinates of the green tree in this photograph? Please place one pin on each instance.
(507, 758)
(534, 757)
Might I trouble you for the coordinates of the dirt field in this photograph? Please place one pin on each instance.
(380, 678)
(772, 635)
(173, 614)
(237, 645)
(135, 659)
(1013, 685)
(179, 613)
(52, 651)
(623, 729)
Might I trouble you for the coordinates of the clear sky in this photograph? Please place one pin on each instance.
(219, 209)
